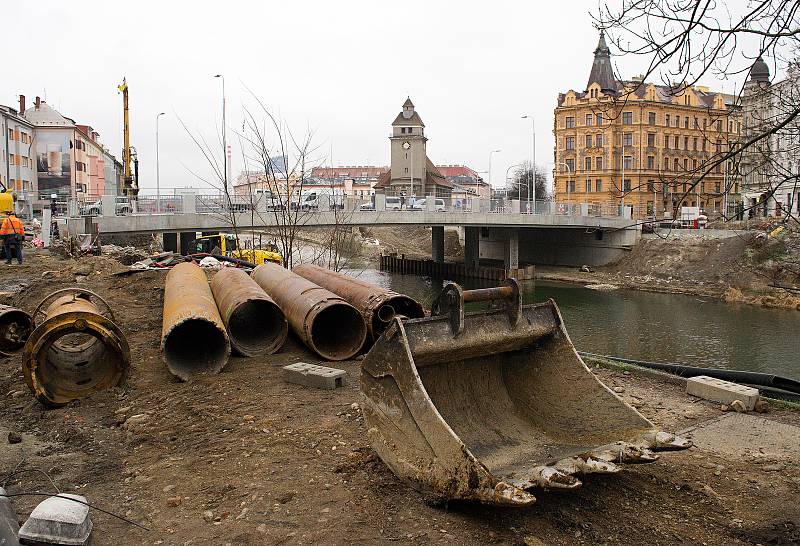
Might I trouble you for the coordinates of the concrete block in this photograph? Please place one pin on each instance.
(721, 391)
(58, 520)
(313, 375)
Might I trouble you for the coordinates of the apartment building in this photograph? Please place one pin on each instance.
(17, 160)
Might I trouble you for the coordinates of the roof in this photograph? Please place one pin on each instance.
(457, 170)
(759, 71)
(408, 103)
(46, 116)
(414, 120)
(349, 171)
(602, 72)
(433, 177)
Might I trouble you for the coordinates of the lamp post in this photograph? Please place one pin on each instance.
(224, 136)
(569, 175)
(158, 169)
(490, 165)
(533, 166)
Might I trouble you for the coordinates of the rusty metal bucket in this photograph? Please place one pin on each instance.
(491, 405)
(15, 327)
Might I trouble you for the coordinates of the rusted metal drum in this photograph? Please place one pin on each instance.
(255, 323)
(193, 338)
(378, 305)
(75, 350)
(326, 323)
(15, 327)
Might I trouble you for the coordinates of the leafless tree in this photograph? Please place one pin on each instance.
(521, 182)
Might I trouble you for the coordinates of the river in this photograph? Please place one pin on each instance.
(651, 326)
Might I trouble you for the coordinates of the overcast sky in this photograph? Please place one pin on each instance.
(342, 69)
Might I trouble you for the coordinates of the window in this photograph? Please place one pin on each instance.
(627, 118)
(651, 118)
(704, 144)
(588, 186)
(10, 134)
(677, 164)
(569, 122)
(627, 186)
(589, 119)
(627, 163)
(599, 118)
(666, 120)
(702, 186)
(651, 162)
(598, 163)
(694, 144)
(666, 142)
(719, 125)
(730, 126)
(598, 140)
(666, 163)
(651, 140)
(686, 122)
(719, 146)
(685, 143)
(598, 185)
(80, 167)
(588, 141)
(587, 164)
(716, 187)
(570, 165)
(685, 164)
(677, 121)
(570, 143)
(24, 137)
(677, 142)
(651, 187)
(11, 159)
(694, 164)
(569, 186)
(627, 139)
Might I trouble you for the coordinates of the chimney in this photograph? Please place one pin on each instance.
(38, 102)
(21, 104)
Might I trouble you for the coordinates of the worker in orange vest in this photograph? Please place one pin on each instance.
(13, 233)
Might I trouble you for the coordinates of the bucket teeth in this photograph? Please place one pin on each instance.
(623, 452)
(549, 477)
(665, 441)
(507, 494)
(586, 465)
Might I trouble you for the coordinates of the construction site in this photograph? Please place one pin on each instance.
(435, 426)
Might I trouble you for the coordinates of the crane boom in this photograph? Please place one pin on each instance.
(130, 183)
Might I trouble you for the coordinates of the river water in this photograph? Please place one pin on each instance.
(650, 326)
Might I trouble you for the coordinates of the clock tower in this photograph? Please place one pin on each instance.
(409, 154)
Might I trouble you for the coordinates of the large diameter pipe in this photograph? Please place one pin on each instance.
(15, 327)
(193, 337)
(377, 305)
(255, 323)
(326, 323)
(74, 352)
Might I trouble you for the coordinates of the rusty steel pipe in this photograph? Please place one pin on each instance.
(255, 323)
(75, 351)
(193, 338)
(488, 294)
(373, 302)
(15, 327)
(326, 323)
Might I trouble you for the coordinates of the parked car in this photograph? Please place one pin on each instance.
(392, 203)
(121, 207)
(438, 205)
(319, 199)
(366, 206)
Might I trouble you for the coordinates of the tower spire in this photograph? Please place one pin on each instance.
(602, 72)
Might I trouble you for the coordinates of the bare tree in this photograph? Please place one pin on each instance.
(521, 182)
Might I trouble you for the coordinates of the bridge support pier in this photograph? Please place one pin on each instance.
(437, 243)
(170, 242)
(511, 249)
(472, 254)
(186, 238)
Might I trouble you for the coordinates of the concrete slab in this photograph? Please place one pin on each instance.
(743, 435)
(58, 520)
(313, 375)
(721, 391)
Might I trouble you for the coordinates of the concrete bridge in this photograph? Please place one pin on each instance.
(558, 234)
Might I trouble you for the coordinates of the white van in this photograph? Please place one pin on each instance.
(320, 199)
(273, 202)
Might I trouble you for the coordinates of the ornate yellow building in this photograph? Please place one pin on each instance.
(643, 145)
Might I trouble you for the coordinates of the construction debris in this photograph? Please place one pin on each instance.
(313, 375)
(725, 392)
(326, 323)
(255, 323)
(193, 338)
(487, 406)
(61, 519)
(15, 327)
(75, 350)
(378, 305)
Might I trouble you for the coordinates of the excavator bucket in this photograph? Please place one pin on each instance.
(490, 405)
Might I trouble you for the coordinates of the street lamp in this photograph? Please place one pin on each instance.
(158, 170)
(490, 165)
(533, 149)
(224, 136)
(569, 175)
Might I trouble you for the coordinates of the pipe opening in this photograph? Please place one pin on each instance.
(257, 327)
(15, 327)
(385, 313)
(73, 365)
(195, 346)
(338, 332)
(402, 306)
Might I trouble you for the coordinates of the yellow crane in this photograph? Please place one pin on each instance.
(130, 180)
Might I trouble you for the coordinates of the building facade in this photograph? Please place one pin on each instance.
(652, 148)
(770, 168)
(17, 158)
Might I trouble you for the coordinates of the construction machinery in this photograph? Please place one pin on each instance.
(130, 179)
(15, 327)
(490, 405)
(227, 244)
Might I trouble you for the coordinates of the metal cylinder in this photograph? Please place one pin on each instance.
(326, 323)
(255, 323)
(193, 337)
(15, 327)
(75, 351)
(377, 305)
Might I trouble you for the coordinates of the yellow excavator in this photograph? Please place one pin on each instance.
(225, 244)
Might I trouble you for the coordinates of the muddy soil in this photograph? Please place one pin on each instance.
(245, 458)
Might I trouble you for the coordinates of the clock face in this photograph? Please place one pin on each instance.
(406, 145)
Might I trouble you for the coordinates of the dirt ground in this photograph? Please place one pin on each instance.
(245, 458)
